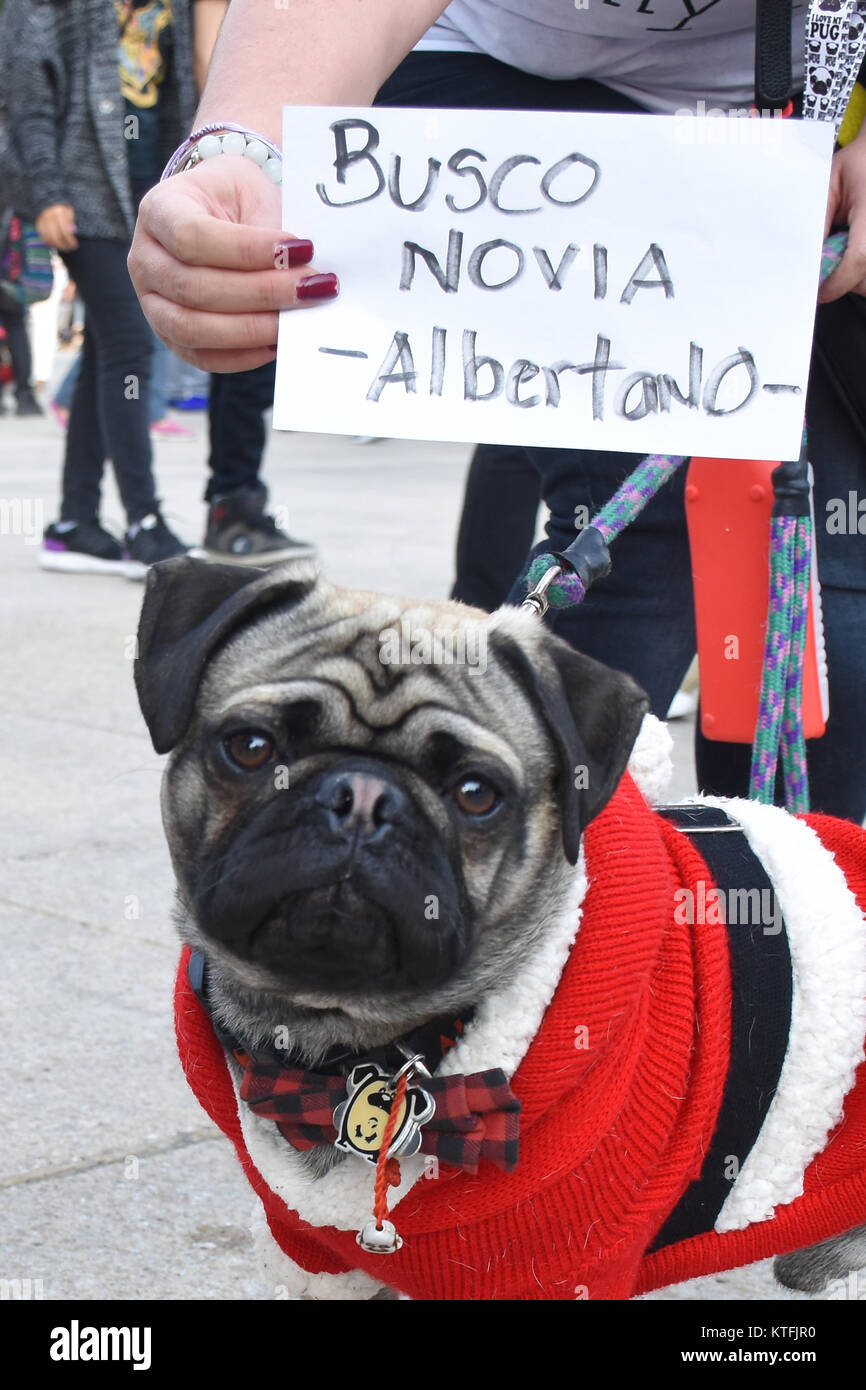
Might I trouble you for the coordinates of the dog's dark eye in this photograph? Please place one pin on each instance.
(249, 749)
(474, 797)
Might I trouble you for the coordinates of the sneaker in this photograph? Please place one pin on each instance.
(28, 404)
(81, 547)
(60, 413)
(189, 402)
(170, 429)
(147, 542)
(683, 705)
(240, 532)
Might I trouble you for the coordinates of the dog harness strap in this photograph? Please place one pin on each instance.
(760, 1007)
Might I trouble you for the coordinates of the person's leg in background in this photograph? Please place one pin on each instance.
(66, 390)
(497, 526)
(14, 320)
(114, 383)
(161, 423)
(84, 461)
(109, 418)
(188, 386)
(78, 542)
(837, 452)
(239, 528)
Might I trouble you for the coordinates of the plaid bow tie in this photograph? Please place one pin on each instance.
(476, 1116)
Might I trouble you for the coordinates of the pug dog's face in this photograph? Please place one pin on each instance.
(373, 806)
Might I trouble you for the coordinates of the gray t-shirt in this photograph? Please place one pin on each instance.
(666, 54)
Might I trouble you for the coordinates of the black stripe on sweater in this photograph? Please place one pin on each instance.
(760, 1012)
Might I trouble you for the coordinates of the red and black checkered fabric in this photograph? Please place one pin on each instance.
(476, 1116)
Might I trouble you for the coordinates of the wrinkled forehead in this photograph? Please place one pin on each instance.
(379, 669)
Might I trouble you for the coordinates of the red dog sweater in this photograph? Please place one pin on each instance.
(621, 1089)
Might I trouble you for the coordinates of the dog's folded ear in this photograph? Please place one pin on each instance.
(190, 607)
(593, 715)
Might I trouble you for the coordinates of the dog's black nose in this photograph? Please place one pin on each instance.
(360, 804)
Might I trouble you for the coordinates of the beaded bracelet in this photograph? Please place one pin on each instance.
(223, 137)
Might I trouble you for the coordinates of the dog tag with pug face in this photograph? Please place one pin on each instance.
(361, 1118)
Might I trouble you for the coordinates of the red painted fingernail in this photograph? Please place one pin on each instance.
(292, 252)
(318, 287)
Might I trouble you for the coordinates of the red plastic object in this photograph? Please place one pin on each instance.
(728, 508)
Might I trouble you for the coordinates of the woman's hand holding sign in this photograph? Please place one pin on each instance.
(846, 205)
(213, 270)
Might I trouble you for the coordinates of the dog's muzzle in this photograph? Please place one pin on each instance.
(339, 886)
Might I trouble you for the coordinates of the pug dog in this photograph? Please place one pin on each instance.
(408, 854)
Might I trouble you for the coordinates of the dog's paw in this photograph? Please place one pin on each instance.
(813, 1269)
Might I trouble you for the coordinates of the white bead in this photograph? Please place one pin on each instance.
(257, 152)
(274, 170)
(208, 146)
(233, 142)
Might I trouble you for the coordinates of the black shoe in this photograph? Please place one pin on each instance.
(28, 404)
(81, 547)
(148, 542)
(240, 532)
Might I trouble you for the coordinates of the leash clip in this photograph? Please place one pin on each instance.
(414, 1063)
(537, 601)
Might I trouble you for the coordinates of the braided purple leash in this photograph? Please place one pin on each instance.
(793, 740)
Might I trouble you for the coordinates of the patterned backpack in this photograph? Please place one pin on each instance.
(26, 274)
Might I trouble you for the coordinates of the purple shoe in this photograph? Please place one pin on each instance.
(81, 547)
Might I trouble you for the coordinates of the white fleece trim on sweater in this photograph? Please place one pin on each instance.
(499, 1036)
(651, 763)
(827, 939)
(281, 1279)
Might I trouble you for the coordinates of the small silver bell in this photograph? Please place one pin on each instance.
(379, 1242)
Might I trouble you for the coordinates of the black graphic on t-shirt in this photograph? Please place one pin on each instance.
(657, 8)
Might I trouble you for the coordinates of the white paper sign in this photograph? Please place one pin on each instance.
(633, 282)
